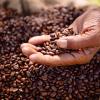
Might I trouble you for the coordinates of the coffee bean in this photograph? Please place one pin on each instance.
(54, 88)
(51, 53)
(44, 93)
(53, 94)
(40, 83)
(44, 77)
(44, 52)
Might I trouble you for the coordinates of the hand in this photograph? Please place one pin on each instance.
(87, 25)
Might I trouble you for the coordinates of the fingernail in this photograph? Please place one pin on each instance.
(23, 45)
(28, 51)
(32, 57)
(25, 51)
(62, 43)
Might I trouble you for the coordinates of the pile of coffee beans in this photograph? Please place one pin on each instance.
(6, 14)
(21, 80)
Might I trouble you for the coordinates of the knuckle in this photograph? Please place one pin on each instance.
(84, 59)
(75, 45)
(87, 58)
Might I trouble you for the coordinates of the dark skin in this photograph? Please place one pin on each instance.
(88, 27)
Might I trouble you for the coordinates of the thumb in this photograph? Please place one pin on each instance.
(78, 41)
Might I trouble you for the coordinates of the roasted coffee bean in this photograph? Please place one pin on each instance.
(44, 52)
(51, 53)
(44, 93)
(53, 94)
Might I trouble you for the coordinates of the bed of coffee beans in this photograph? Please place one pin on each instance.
(21, 80)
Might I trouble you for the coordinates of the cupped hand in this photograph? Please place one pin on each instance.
(87, 26)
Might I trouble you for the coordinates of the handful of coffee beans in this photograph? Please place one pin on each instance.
(51, 48)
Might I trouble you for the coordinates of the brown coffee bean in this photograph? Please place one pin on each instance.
(40, 83)
(51, 53)
(53, 94)
(54, 88)
(44, 77)
(44, 52)
(48, 48)
(44, 93)
(16, 66)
